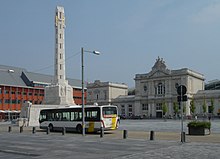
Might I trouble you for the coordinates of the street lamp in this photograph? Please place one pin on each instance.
(83, 102)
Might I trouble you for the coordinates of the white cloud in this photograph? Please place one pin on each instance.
(208, 14)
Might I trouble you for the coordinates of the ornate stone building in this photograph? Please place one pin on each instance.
(158, 87)
(155, 89)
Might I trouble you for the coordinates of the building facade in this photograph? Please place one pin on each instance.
(104, 92)
(158, 88)
(204, 100)
(17, 86)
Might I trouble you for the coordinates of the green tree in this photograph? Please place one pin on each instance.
(212, 107)
(164, 109)
(175, 108)
(192, 107)
(204, 107)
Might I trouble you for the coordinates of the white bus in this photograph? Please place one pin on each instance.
(96, 117)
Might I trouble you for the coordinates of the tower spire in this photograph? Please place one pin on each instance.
(60, 92)
(59, 69)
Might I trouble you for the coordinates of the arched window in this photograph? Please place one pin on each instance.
(160, 89)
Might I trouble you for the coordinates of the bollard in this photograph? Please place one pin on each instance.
(34, 130)
(125, 134)
(63, 131)
(151, 135)
(48, 130)
(101, 132)
(9, 129)
(183, 137)
(21, 129)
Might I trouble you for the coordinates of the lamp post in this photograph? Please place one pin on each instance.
(83, 93)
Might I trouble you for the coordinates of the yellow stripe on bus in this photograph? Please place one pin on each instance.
(91, 126)
(113, 123)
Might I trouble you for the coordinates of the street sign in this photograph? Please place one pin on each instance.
(181, 90)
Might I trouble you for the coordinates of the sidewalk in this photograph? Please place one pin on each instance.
(118, 134)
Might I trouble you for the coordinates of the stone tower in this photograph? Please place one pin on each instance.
(60, 92)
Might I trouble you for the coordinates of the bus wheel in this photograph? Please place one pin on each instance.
(79, 128)
(50, 127)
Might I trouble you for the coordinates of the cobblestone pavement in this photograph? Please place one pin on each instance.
(166, 145)
(40, 145)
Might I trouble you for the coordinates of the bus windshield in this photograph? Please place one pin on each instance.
(109, 112)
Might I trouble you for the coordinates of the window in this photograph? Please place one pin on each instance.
(60, 66)
(24, 93)
(60, 56)
(60, 13)
(159, 106)
(6, 92)
(60, 46)
(66, 116)
(92, 115)
(60, 26)
(130, 108)
(60, 36)
(30, 93)
(0, 101)
(144, 106)
(60, 76)
(7, 101)
(76, 116)
(12, 92)
(160, 89)
(145, 88)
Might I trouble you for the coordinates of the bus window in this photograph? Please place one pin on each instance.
(92, 115)
(43, 117)
(58, 116)
(76, 116)
(66, 116)
(109, 112)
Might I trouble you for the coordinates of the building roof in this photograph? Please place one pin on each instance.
(160, 70)
(213, 85)
(11, 76)
(15, 76)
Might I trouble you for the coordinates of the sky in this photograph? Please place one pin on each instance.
(130, 35)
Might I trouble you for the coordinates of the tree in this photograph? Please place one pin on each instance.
(164, 109)
(204, 107)
(211, 108)
(192, 107)
(175, 108)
